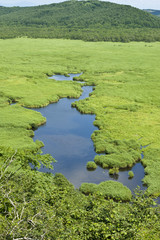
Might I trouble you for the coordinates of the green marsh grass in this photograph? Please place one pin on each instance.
(125, 100)
(130, 174)
(151, 162)
(17, 125)
(109, 189)
(91, 166)
(113, 171)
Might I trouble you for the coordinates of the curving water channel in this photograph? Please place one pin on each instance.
(67, 137)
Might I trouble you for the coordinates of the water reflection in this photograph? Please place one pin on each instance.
(67, 137)
(63, 78)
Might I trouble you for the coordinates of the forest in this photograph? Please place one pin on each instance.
(42, 206)
(85, 20)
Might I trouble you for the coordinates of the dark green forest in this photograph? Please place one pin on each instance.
(86, 20)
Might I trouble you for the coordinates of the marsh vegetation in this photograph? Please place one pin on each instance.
(109, 189)
(120, 85)
(91, 166)
(125, 102)
(36, 205)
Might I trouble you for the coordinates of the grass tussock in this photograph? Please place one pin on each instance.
(130, 174)
(119, 153)
(108, 189)
(91, 166)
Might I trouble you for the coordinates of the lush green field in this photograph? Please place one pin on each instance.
(23, 80)
(126, 98)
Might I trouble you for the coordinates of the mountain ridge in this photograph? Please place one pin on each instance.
(81, 16)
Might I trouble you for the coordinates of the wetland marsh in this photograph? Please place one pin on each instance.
(125, 100)
(67, 136)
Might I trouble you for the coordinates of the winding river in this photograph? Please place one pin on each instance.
(67, 137)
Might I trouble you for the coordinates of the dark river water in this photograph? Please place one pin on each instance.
(67, 137)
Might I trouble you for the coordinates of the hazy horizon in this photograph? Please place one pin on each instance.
(142, 4)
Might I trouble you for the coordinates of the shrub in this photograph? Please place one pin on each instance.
(91, 165)
(131, 174)
(113, 171)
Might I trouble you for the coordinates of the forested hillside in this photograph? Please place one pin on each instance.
(87, 20)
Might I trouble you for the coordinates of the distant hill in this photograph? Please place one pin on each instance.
(91, 20)
(154, 12)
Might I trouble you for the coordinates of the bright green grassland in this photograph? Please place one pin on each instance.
(108, 189)
(126, 98)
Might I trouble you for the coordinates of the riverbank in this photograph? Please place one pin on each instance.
(125, 100)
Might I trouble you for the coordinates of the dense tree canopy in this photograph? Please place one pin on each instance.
(35, 205)
(86, 20)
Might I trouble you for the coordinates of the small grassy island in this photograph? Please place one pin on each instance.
(91, 166)
(126, 104)
(108, 189)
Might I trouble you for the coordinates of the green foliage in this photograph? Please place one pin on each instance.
(120, 154)
(91, 165)
(77, 14)
(121, 159)
(17, 123)
(130, 174)
(24, 158)
(125, 100)
(86, 20)
(108, 189)
(37, 205)
(113, 171)
(126, 103)
(151, 162)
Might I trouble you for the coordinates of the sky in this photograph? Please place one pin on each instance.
(142, 4)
